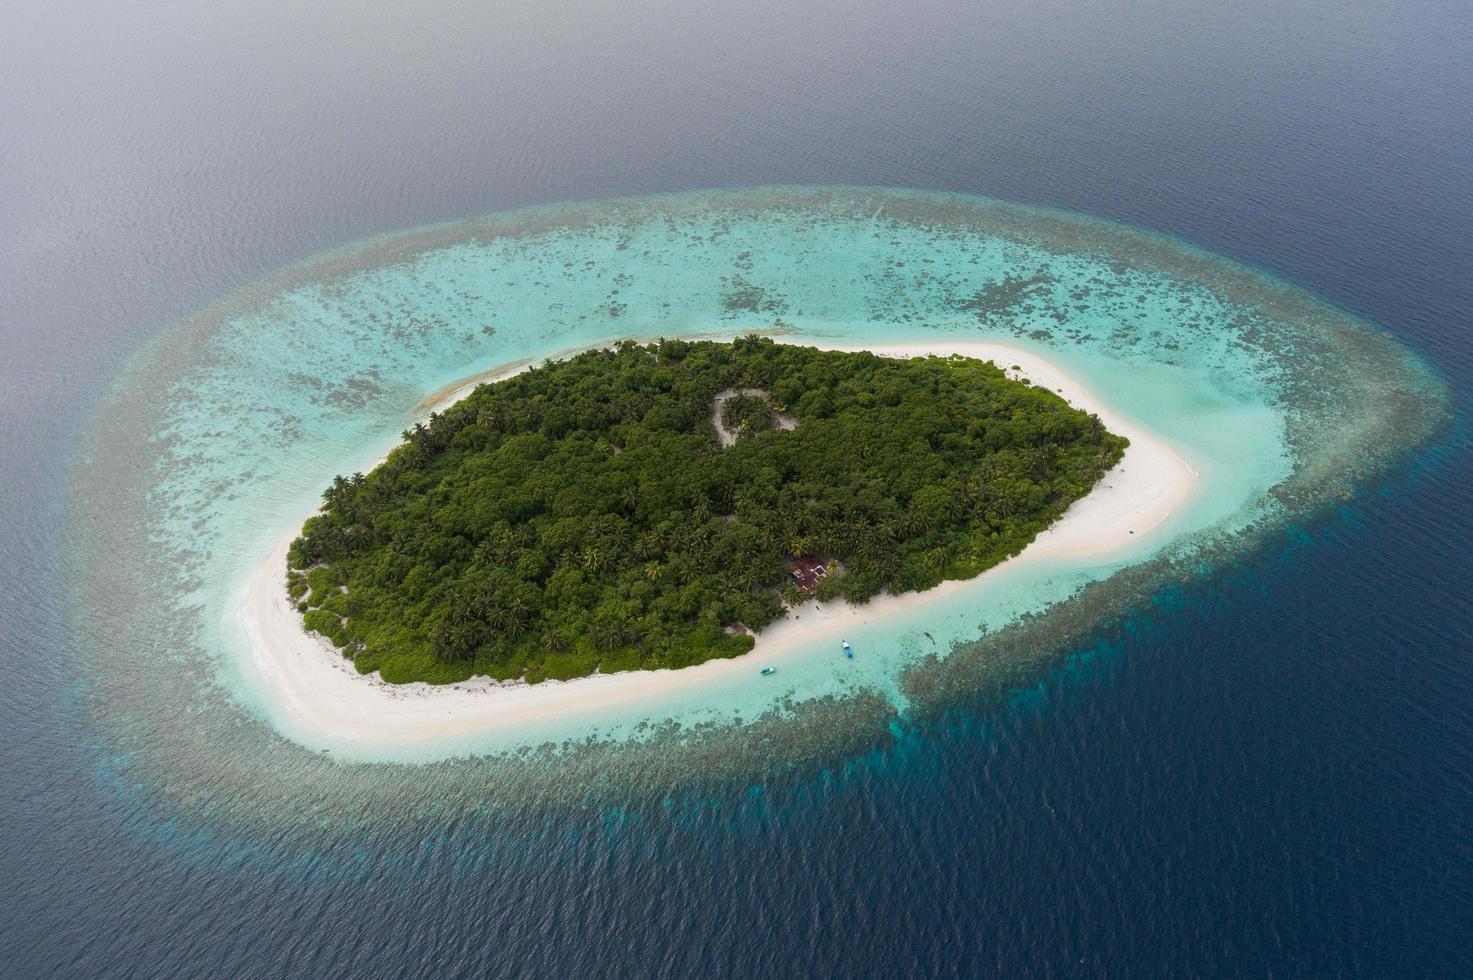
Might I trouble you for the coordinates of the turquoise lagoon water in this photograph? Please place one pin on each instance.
(1262, 766)
(219, 438)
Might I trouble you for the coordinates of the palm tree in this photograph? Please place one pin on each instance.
(515, 615)
(467, 609)
(595, 560)
(821, 540)
(914, 522)
(698, 550)
(606, 634)
(456, 641)
(960, 507)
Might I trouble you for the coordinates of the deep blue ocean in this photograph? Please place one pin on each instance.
(1268, 772)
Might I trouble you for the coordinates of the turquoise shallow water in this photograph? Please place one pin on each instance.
(218, 439)
(1262, 768)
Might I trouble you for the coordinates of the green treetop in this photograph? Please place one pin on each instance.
(584, 516)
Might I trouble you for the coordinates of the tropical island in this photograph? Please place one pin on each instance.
(653, 506)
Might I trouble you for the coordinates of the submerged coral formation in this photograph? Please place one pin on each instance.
(218, 438)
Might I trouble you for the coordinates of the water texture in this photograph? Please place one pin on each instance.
(219, 437)
(1263, 768)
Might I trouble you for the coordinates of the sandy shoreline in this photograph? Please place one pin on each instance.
(316, 696)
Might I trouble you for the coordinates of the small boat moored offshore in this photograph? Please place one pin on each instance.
(848, 651)
(768, 671)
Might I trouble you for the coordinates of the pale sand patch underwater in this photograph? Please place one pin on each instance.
(316, 696)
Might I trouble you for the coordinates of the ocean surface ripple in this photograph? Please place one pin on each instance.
(217, 438)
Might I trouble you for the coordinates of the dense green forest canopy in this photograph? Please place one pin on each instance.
(583, 516)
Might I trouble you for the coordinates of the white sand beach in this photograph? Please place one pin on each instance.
(313, 694)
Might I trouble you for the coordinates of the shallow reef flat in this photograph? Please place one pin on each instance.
(216, 440)
(316, 695)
